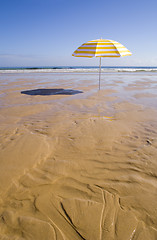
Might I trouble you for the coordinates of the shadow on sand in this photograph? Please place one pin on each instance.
(54, 91)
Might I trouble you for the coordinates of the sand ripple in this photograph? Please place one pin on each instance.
(71, 174)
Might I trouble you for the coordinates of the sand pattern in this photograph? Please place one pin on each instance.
(76, 174)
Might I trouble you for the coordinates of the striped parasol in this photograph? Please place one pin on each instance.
(101, 48)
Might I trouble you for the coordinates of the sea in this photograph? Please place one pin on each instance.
(77, 69)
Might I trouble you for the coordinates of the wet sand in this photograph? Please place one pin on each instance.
(78, 163)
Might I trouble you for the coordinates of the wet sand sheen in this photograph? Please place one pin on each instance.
(70, 172)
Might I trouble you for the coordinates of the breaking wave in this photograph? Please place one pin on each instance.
(77, 69)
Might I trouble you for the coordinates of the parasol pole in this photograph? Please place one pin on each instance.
(99, 72)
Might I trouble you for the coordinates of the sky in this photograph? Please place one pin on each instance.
(47, 32)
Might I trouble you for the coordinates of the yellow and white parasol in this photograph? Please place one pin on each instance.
(101, 48)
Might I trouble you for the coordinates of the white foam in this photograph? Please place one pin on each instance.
(77, 70)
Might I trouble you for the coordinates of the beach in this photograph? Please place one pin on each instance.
(78, 163)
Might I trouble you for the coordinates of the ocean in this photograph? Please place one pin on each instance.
(76, 69)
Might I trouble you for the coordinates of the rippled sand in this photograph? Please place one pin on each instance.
(78, 163)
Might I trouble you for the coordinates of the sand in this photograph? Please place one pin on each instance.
(78, 164)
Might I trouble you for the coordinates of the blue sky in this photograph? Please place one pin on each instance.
(46, 32)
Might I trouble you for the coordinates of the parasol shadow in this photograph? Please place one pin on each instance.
(53, 91)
